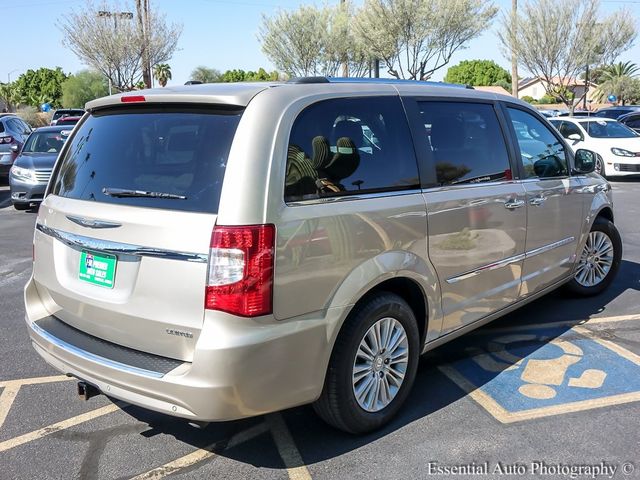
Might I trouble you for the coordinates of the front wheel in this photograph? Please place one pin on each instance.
(599, 260)
(21, 206)
(372, 367)
(599, 167)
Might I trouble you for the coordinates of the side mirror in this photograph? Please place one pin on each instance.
(585, 161)
(15, 148)
(575, 137)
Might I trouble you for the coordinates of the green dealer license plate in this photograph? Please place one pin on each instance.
(98, 268)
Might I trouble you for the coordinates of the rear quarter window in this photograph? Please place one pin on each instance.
(350, 146)
(181, 152)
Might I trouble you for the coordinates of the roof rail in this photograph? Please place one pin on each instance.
(302, 80)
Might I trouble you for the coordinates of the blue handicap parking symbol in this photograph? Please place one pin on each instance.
(537, 372)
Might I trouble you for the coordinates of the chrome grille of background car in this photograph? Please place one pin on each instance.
(43, 175)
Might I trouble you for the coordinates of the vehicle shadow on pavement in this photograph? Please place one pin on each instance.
(432, 391)
(5, 196)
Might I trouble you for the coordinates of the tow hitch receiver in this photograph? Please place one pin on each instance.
(86, 391)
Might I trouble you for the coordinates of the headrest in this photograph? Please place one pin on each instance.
(345, 161)
(348, 129)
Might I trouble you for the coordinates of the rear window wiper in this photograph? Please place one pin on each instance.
(124, 192)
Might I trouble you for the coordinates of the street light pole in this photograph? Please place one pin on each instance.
(9, 74)
(115, 16)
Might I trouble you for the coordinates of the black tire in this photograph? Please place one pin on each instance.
(21, 206)
(337, 404)
(600, 166)
(607, 227)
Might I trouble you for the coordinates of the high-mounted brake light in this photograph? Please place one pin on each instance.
(132, 98)
(240, 276)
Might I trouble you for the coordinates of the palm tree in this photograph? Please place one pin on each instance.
(618, 79)
(162, 73)
(626, 69)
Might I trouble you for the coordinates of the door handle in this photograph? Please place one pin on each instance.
(513, 204)
(537, 201)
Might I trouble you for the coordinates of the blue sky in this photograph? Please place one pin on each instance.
(217, 33)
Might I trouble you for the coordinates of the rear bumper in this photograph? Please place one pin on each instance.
(240, 368)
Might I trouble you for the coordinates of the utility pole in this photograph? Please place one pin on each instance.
(345, 59)
(144, 25)
(514, 58)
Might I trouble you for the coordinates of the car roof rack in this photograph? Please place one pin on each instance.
(366, 80)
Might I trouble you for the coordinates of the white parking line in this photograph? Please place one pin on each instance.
(36, 380)
(48, 430)
(290, 454)
(11, 388)
(6, 400)
(200, 455)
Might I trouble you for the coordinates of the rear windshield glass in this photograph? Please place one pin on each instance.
(67, 113)
(149, 158)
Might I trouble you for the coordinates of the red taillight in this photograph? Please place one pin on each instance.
(132, 98)
(240, 276)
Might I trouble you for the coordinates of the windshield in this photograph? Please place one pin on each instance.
(600, 129)
(67, 113)
(44, 142)
(173, 159)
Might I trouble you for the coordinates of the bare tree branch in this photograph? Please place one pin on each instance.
(113, 44)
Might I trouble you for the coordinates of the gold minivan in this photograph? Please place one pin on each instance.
(221, 251)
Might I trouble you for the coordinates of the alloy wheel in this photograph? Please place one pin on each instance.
(380, 364)
(596, 259)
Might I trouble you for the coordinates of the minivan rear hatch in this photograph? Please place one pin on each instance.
(122, 238)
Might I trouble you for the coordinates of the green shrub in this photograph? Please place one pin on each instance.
(547, 100)
(528, 99)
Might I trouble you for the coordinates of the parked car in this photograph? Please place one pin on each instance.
(631, 120)
(13, 132)
(68, 121)
(617, 146)
(616, 112)
(66, 112)
(221, 251)
(30, 172)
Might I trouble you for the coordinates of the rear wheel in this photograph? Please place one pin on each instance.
(372, 367)
(599, 260)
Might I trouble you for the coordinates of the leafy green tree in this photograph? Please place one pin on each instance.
(555, 40)
(162, 73)
(40, 86)
(314, 41)
(84, 86)
(9, 94)
(415, 38)
(237, 75)
(477, 72)
(205, 74)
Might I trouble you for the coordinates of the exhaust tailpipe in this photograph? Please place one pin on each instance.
(86, 391)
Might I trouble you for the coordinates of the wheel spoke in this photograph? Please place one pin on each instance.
(364, 388)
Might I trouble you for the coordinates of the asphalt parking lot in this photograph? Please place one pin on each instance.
(539, 393)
